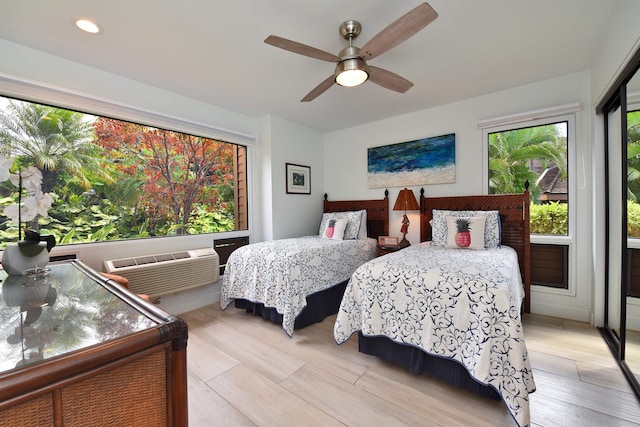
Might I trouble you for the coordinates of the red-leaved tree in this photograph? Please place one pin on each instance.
(176, 171)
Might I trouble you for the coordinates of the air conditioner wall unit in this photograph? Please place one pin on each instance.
(167, 273)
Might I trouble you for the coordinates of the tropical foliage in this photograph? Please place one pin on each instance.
(512, 152)
(174, 172)
(112, 180)
(511, 156)
(549, 218)
(633, 218)
(633, 174)
(58, 142)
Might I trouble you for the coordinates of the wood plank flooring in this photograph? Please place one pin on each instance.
(245, 371)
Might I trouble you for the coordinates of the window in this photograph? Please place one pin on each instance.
(538, 155)
(112, 180)
(538, 151)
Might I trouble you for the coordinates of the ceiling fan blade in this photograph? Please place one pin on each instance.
(399, 30)
(388, 79)
(318, 90)
(301, 49)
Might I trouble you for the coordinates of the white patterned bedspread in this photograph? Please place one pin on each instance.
(282, 273)
(459, 304)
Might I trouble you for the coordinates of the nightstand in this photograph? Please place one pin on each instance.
(383, 250)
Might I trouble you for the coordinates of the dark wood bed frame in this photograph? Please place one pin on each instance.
(327, 302)
(514, 220)
(377, 212)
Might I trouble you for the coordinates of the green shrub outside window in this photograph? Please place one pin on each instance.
(537, 155)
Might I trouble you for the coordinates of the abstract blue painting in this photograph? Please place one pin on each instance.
(423, 161)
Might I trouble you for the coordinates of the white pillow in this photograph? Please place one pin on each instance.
(465, 232)
(335, 229)
(491, 230)
(353, 218)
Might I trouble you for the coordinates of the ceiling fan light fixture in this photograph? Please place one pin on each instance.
(351, 72)
(351, 68)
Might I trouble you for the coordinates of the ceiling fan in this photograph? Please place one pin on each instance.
(351, 63)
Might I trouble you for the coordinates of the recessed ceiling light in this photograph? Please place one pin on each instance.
(88, 26)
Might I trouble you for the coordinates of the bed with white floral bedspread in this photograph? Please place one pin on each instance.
(458, 304)
(283, 273)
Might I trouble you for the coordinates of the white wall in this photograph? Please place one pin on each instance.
(295, 215)
(262, 223)
(44, 69)
(345, 175)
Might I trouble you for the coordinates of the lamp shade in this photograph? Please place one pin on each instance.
(406, 201)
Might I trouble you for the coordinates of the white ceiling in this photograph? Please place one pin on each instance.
(213, 50)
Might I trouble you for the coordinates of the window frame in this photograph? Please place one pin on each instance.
(94, 252)
(563, 114)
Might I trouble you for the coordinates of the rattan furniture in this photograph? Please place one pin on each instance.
(78, 350)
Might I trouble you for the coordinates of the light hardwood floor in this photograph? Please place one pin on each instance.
(245, 371)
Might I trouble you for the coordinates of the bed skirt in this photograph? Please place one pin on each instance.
(319, 305)
(418, 362)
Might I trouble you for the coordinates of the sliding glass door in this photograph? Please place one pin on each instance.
(621, 114)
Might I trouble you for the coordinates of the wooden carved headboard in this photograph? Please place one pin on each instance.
(377, 212)
(514, 219)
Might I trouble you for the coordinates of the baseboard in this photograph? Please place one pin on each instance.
(563, 312)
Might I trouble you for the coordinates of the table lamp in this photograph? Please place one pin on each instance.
(406, 201)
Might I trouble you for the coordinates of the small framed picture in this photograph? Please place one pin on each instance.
(388, 241)
(298, 179)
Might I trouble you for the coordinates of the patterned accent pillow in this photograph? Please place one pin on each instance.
(465, 232)
(353, 218)
(491, 229)
(335, 229)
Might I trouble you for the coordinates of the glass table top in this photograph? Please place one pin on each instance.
(56, 313)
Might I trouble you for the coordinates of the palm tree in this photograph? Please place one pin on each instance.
(58, 142)
(512, 152)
